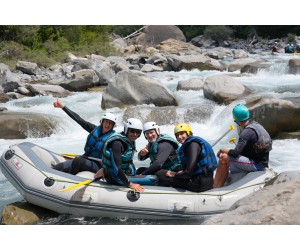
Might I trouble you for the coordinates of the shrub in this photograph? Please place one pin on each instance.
(291, 37)
(218, 33)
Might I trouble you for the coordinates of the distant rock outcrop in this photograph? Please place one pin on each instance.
(154, 34)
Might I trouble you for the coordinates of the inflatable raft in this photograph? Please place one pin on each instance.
(28, 167)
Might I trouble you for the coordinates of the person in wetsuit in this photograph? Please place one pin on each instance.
(162, 150)
(251, 152)
(94, 143)
(198, 162)
(274, 49)
(118, 152)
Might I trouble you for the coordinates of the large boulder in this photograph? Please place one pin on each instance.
(81, 80)
(173, 46)
(190, 84)
(276, 115)
(237, 64)
(154, 34)
(171, 115)
(17, 125)
(134, 88)
(294, 66)
(3, 97)
(27, 67)
(23, 213)
(224, 89)
(189, 62)
(47, 89)
(276, 204)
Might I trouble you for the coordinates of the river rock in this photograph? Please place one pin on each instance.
(190, 84)
(18, 125)
(294, 66)
(134, 88)
(27, 67)
(171, 115)
(154, 34)
(23, 213)
(276, 204)
(276, 115)
(224, 89)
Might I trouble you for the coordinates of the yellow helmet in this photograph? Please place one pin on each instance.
(183, 127)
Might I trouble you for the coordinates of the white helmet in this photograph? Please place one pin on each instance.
(151, 125)
(133, 123)
(110, 117)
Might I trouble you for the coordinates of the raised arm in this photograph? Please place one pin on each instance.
(83, 123)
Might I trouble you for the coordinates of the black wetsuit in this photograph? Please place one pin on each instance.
(79, 163)
(185, 179)
(164, 150)
(244, 147)
(274, 49)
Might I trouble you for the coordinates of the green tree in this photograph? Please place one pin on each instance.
(218, 33)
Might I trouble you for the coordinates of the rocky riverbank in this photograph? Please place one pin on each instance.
(125, 83)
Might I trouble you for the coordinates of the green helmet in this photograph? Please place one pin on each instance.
(240, 113)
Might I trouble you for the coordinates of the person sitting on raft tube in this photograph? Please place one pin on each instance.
(118, 152)
(94, 143)
(198, 162)
(251, 152)
(162, 150)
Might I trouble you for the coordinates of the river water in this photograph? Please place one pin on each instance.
(70, 137)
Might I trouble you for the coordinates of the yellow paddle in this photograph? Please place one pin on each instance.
(232, 140)
(72, 156)
(230, 128)
(86, 182)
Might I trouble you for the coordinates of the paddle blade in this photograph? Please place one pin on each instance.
(232, 140)
(71, 156)
(86, 182)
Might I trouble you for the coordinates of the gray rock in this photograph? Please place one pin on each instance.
(276, 204)
(133, 88)
(154, 34)
(190, 84)
(23, 213)
(224, 89)
(17, 125)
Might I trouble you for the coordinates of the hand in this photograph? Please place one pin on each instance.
(58, 104)
(136, 187)
(144, 151)
(99, 174)
(219, 153)
(170, 173)
(222, 151)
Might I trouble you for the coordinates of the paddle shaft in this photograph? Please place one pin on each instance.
(72, 156)
(231, 128)
(86, 182)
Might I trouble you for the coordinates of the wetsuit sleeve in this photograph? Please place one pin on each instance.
(192, 151)
(245, 137)
(84, 124)
(117, 147)
(163, 152)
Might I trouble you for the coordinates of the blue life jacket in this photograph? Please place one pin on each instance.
(173, 161)
(207, 161)
(127, 156)
(95, 141)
